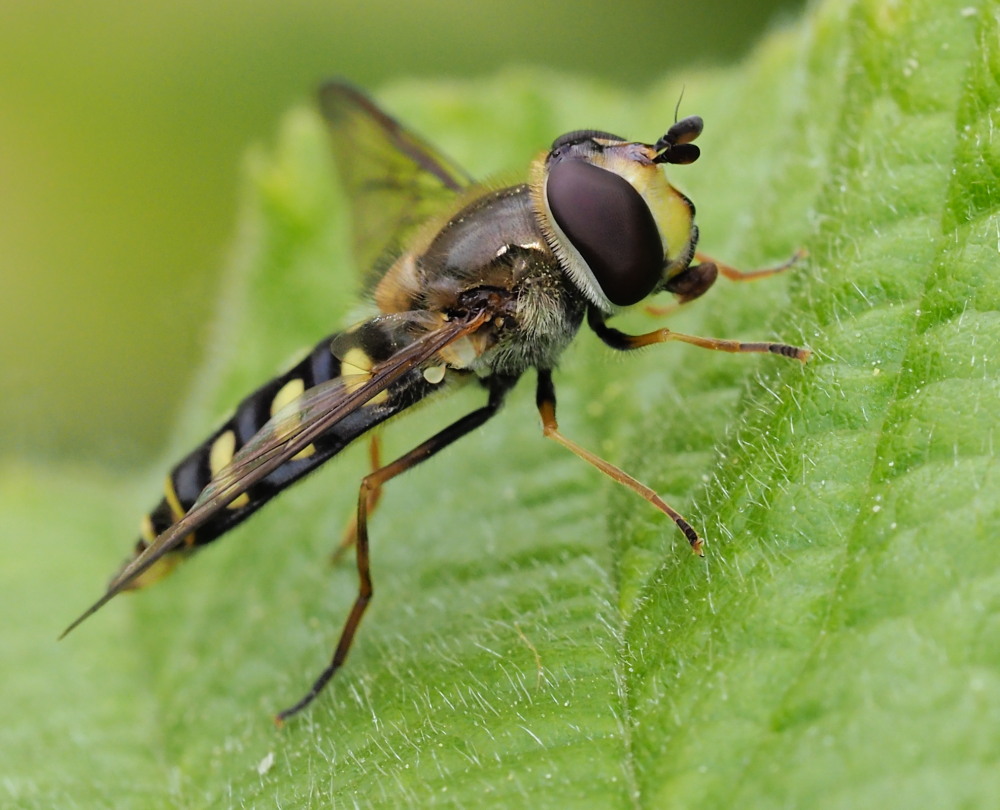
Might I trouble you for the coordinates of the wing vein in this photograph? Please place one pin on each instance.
(259, 462)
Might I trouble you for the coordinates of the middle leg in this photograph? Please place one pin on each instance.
(370, 484)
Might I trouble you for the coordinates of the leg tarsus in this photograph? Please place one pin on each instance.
(734, 274)
(361, 601)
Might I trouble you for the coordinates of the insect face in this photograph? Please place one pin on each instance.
(606, 209)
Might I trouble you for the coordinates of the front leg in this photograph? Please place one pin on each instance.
(696, 280)
(693, 281)
(735, 274)
(620, 341)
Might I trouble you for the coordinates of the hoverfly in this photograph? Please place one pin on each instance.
(475, 285)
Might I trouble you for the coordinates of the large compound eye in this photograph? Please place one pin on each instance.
(611, 227)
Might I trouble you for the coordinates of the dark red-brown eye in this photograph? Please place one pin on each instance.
(611, 227)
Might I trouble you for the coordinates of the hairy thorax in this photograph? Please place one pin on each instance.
(493, 244)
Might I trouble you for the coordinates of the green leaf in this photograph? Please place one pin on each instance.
(538, 637)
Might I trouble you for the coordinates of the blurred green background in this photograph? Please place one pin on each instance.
(122, 130)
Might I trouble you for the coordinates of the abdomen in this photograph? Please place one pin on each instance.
(187, 479)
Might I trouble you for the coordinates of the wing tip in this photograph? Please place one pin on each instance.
(87, 614)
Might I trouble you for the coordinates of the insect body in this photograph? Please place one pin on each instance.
(473, 285)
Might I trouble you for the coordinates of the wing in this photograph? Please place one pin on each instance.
(395, 180)
(288, 433)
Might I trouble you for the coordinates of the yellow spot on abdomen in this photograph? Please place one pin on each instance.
(288, 393)
(356, 361)
(157, 570)
(291, 390)
(219, 456)
(221, 452)
(356, 369)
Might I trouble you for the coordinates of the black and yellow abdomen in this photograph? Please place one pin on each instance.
(359, 349)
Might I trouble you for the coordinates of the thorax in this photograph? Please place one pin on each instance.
(492, 241)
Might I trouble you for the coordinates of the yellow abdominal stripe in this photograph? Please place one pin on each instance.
(219, 455)
(286, 395)
(156, 571)
(162, 566)
(356, 369)
(176, 510)
(290, 390)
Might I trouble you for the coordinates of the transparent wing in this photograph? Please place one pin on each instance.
(395, 179)
(289, 432)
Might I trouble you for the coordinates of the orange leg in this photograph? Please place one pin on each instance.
(694, 281)
(350, 535)
(546, 401)
(619, 340)
(733, 274)
(370, 484)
